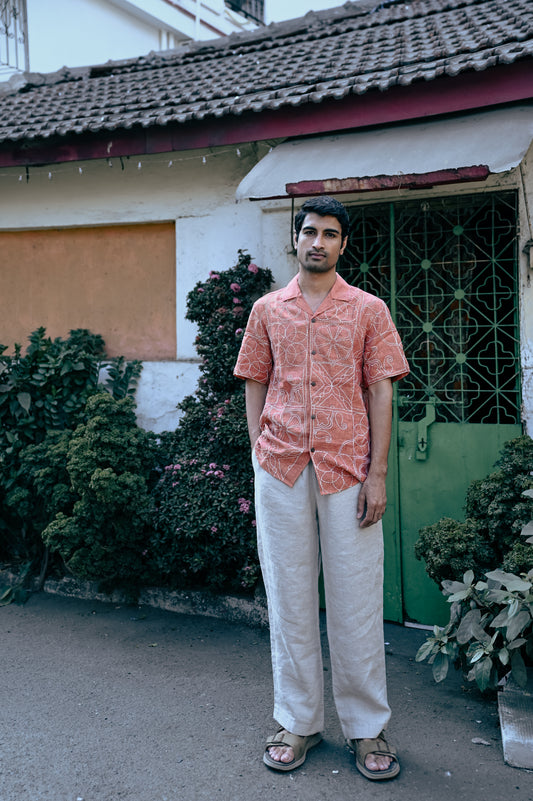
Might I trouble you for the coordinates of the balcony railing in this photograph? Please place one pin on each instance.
(253, 9)
(13, 36)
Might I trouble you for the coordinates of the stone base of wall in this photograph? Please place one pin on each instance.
(234, 609)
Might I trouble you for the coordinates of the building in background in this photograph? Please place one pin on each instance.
(37, 36)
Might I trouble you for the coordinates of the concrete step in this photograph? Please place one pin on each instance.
(515, 707)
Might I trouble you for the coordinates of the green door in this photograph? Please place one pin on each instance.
(447, 268)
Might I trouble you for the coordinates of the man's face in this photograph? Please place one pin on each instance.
(319, 243)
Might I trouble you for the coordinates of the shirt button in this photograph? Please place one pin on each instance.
(313, 383)
(313, 320)
(313, 417)
(313, 353)
(312, 450)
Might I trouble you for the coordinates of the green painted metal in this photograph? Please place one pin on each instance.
(447, 268)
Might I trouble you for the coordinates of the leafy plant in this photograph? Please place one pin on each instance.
(109, 463)
(490, 632)
(43, 395)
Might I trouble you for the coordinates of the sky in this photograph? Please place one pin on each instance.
(278, 10)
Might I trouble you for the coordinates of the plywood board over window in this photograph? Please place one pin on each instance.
(117, 280)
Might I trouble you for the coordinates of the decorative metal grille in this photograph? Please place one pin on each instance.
(13, 35)
(447, 268)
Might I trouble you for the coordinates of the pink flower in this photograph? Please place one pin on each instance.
(253, 268)
(235, 287)
(214, 529)
(244, 505)
(199, 289)
(238, 331)
(213, 466)
(225, 467)
(213, 275)
(236, 300)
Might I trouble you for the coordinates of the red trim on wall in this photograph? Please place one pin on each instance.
(467, 92)
(379, 182)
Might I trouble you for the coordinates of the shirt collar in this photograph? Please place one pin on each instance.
(340, 290)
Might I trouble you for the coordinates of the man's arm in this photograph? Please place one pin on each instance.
(373, 494)
(255, 400)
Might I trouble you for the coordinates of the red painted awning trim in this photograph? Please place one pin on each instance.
(421, 100)
(378, 183)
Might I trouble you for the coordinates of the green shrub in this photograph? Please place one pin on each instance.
(450, 548)
(490, 631)
(109, 463)
(204, 518)
(496, 512)
(43, 392)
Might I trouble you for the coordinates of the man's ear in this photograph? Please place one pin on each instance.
(295, 239)
(343, 246)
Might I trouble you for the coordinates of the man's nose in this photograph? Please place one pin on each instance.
(318, 241)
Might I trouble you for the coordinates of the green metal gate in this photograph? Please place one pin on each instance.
(447, 268)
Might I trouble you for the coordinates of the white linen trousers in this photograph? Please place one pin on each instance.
(297, 530)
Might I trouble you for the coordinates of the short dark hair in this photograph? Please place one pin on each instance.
(325, 206)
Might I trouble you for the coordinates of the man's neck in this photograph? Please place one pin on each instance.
(315, 287)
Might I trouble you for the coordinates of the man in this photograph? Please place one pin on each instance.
(319, 357)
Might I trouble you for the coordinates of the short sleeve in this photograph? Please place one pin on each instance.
(255, 356)
(383, 351)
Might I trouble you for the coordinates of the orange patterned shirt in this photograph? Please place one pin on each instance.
(317, 366)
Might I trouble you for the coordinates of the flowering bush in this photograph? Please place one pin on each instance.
(204, 517)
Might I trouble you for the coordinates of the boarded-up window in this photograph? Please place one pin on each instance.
(118, 281)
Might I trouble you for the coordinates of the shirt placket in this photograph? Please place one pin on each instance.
(312, 381)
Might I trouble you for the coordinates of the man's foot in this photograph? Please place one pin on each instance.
(375, 758)
(286, 751)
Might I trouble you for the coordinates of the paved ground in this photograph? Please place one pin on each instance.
(107, 703)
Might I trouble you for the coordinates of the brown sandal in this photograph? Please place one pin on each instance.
(379, 747)
(300, 746)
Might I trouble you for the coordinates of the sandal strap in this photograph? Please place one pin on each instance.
(377, 746)
(284, 737)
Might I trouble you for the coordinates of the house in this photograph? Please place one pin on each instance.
(118, 190)
(42, 37)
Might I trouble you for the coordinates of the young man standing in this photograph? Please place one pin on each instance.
(319, 357)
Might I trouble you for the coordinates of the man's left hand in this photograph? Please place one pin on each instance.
(372, 501)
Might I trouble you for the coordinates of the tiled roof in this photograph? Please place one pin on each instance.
(323, 56)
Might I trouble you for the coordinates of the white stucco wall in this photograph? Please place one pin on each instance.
(76, 33)
(525, 178)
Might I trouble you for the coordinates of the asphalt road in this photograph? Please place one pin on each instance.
(107, 703)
